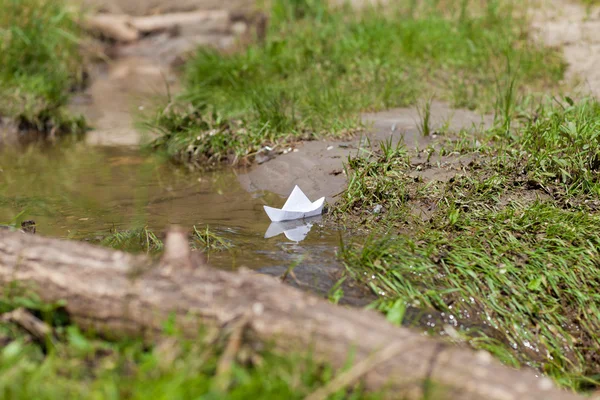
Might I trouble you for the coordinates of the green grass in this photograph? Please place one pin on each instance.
(79, 365)
(39, 64)
(208, 240)
(319, 66)
(145, 240)
(379, 178)
(509, 248)
(563, 148)
(134, 240)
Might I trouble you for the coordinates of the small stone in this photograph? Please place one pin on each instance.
(258, 308)
(239, 28)
(450, 331)
(262, 158)
(329, 148)
(545, 384)
(483, 357)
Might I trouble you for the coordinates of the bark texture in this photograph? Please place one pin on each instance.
(118, 293)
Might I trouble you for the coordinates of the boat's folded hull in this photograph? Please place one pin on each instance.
(278, 215)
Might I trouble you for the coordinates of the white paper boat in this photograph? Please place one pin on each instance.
(296, 231)
(297, 206)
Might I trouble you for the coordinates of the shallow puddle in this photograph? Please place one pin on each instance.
(85, 193)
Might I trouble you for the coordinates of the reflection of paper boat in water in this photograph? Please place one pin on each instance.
(297, 206)
(295, 231)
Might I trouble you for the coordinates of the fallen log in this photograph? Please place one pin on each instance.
(110, 26)
(116, 293)
(202, 21)
(125, 28)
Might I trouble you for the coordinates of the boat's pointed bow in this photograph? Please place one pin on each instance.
(273, 213)
(318, 203)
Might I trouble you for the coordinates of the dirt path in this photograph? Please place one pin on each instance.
(576, 29)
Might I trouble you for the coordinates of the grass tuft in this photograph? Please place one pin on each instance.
(208, 240)
(145, 240)
(562, 146)
(141, 239)
(378, 179)
(40, 64)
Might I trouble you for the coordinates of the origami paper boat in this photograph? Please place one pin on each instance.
(297, 206)
(296, 230)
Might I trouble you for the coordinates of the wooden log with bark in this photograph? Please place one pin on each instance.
(116, 293)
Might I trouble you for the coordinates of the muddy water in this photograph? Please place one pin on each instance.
(85, 193)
